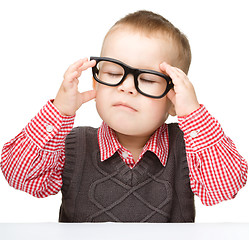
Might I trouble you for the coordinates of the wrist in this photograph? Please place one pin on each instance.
(192, 113)
(47, 124)
(189, 110)
(62, 110)
(200, 129)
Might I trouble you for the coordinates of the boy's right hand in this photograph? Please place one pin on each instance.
(68, 99)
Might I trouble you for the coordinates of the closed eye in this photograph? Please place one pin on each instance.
(147, 81)
(114, 74)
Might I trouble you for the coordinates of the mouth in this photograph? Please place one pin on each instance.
(124, 106)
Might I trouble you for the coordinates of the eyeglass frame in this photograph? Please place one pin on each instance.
(131, 70)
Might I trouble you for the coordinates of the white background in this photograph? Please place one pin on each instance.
(40, 39)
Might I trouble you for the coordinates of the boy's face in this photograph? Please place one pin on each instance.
(124, 109)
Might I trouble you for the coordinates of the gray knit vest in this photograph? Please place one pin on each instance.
(109, 191)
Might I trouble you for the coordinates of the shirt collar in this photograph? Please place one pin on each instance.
(158, 143)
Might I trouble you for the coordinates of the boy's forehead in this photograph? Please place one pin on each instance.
(126, 43)
(130, 34)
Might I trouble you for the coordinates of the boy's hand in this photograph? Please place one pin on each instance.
(68, 99)
(183, 94)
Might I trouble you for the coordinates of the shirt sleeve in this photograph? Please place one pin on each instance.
(33, 161)
(217, 170)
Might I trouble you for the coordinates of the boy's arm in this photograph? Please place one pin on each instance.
(33, 161)
(217, 170)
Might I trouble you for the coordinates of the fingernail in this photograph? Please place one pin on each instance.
(163, 64)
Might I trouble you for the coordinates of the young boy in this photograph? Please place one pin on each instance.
(134, 168)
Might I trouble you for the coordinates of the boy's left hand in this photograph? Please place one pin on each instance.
(183, 94)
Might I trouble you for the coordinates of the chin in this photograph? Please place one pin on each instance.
(125, 130)
(137, 130)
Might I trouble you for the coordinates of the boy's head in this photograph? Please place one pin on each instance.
(153, 25)
(141, 40)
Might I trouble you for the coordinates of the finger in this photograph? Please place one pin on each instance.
(176, 74)
(87, 96)
(165, 67)
(170, 69)
(73, 67)
(179, 70)
(172, 73)
(87, 64)
(78, 64)
(69, 77)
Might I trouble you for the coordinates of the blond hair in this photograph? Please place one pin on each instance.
(151, 23)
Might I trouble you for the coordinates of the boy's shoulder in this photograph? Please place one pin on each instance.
(82, 129)
(175, 134)
(174, 128)
(82, 134)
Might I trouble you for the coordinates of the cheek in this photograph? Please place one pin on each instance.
(102, 99)
(157, 113)
(158, 108)
(101, 92)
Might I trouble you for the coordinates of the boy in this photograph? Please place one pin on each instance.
(134, 168)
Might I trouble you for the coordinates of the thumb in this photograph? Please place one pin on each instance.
(87, 96)
(171, 95)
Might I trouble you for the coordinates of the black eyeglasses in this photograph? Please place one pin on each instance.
(112, 72)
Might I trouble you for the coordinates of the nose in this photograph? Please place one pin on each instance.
(128, 85)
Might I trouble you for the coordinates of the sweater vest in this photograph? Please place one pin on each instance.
(109, 191)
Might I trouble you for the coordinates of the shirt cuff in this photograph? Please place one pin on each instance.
(49, 124)
(200, 129)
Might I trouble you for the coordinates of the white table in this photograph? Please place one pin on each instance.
(123, 231)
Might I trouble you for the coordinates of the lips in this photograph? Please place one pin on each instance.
(125, 106)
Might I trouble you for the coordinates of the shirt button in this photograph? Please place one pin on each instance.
(194, 134)
(49, 128)
(125, 154)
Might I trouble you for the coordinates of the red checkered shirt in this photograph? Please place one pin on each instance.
(33, 161)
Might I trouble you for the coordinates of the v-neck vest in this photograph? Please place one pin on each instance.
(109, 191)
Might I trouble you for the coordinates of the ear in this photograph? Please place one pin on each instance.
(172, 110)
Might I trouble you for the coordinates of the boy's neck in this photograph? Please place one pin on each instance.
(134, 144)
